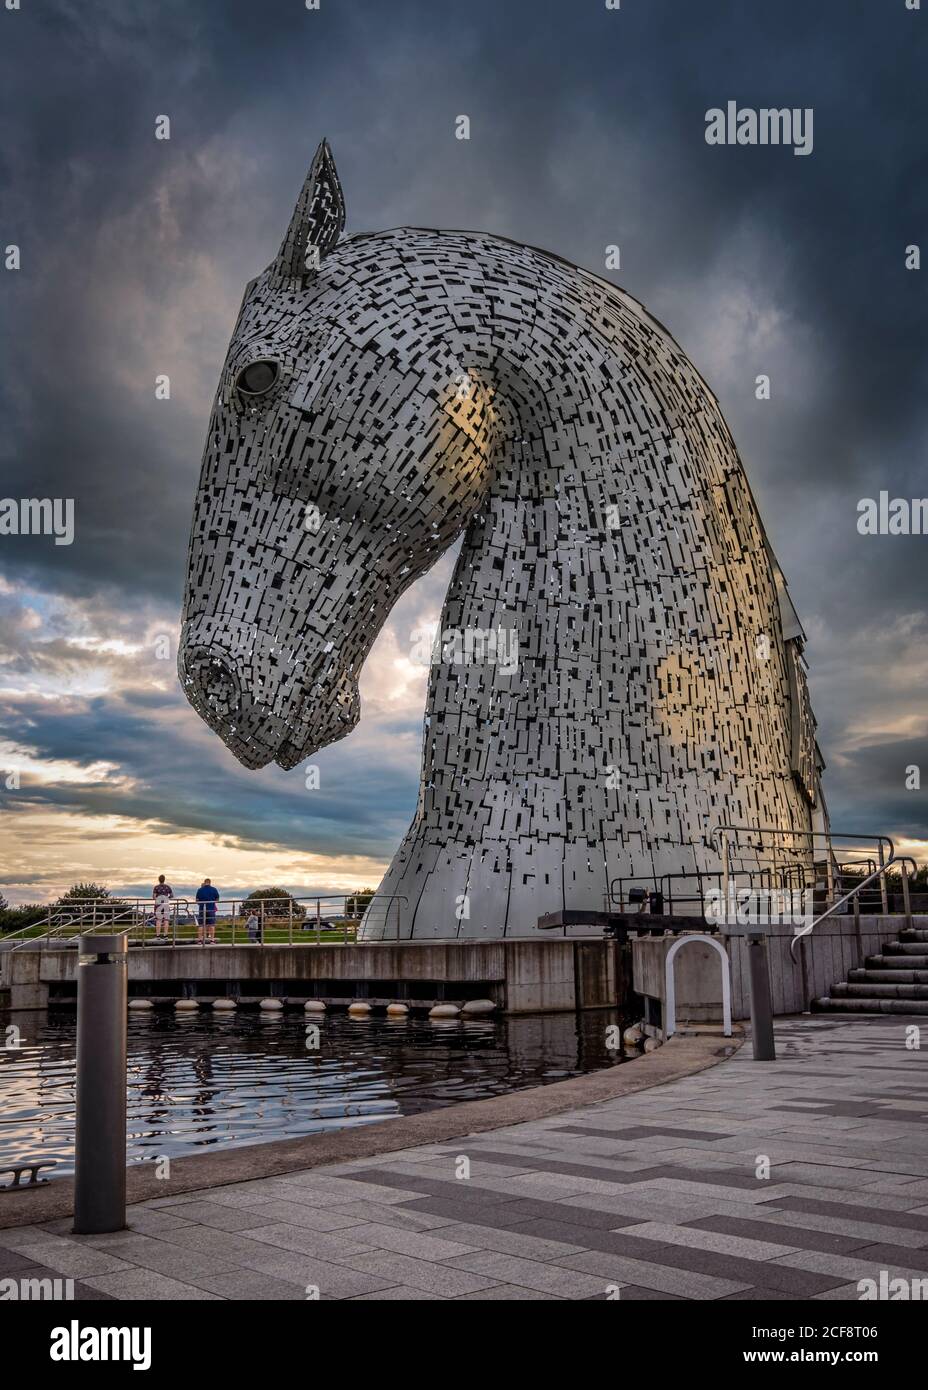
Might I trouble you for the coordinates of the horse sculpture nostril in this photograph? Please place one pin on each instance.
(213, 685)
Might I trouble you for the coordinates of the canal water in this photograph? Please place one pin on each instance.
(212, 1081)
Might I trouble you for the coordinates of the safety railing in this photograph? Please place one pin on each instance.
(669, 899)
(880, 873)
(783, 862)
(310, 919)
(65, 923)
(870, 899)
(626, 892)
(815, 854)
(744, 848)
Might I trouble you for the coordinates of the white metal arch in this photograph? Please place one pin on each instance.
(670, 1002)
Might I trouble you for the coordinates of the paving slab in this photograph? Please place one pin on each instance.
(532, 1274)
(422, 1274)
(145, 1284)
(614, 1269)
(68, 1258)
(699, 1237)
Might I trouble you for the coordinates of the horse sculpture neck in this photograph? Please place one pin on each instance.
(618, 545)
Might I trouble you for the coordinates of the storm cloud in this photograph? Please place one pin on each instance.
(587, 131)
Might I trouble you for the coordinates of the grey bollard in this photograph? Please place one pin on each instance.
(761, 1005)
(100, 1143)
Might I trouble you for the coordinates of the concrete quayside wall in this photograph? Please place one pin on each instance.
(520, 976)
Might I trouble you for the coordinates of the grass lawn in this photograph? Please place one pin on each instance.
(276, 934)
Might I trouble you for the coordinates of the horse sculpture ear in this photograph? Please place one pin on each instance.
(318, 219)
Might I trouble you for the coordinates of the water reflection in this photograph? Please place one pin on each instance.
(230, 1079)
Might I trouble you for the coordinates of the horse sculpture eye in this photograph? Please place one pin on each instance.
(257, 378)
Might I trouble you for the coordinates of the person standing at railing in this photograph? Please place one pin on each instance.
(162, 894)
(207, 897)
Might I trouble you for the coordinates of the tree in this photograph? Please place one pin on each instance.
(356, 904)
(105, 906)
(277, 903)
(84, 892)
(26, 915)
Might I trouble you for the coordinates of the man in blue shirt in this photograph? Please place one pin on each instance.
(207, 897)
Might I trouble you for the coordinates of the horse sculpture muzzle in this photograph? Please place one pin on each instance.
(267, 704)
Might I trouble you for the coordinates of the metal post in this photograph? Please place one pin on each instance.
(906, 900)
(761, 1006)
(884, 901)
(290, 933)
(830, 880)
(100, 1161)
(804, 972)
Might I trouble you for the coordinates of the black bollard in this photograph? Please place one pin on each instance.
(761, 1004)
(100, 1143)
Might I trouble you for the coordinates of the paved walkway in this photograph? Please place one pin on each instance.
(655, 1193)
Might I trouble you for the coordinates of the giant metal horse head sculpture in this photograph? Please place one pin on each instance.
(384, 393)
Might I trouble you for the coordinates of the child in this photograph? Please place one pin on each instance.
(254, 927)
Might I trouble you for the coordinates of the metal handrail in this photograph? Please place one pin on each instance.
(883, 843)
(813, 835)
(610, 898)
(74, 918)
(806, 834)
(805, 931)
(135, 914)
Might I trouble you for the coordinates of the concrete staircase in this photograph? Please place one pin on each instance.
(895, 982)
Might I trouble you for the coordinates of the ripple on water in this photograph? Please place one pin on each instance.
(208, 1080)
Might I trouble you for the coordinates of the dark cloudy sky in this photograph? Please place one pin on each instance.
(587, 129)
